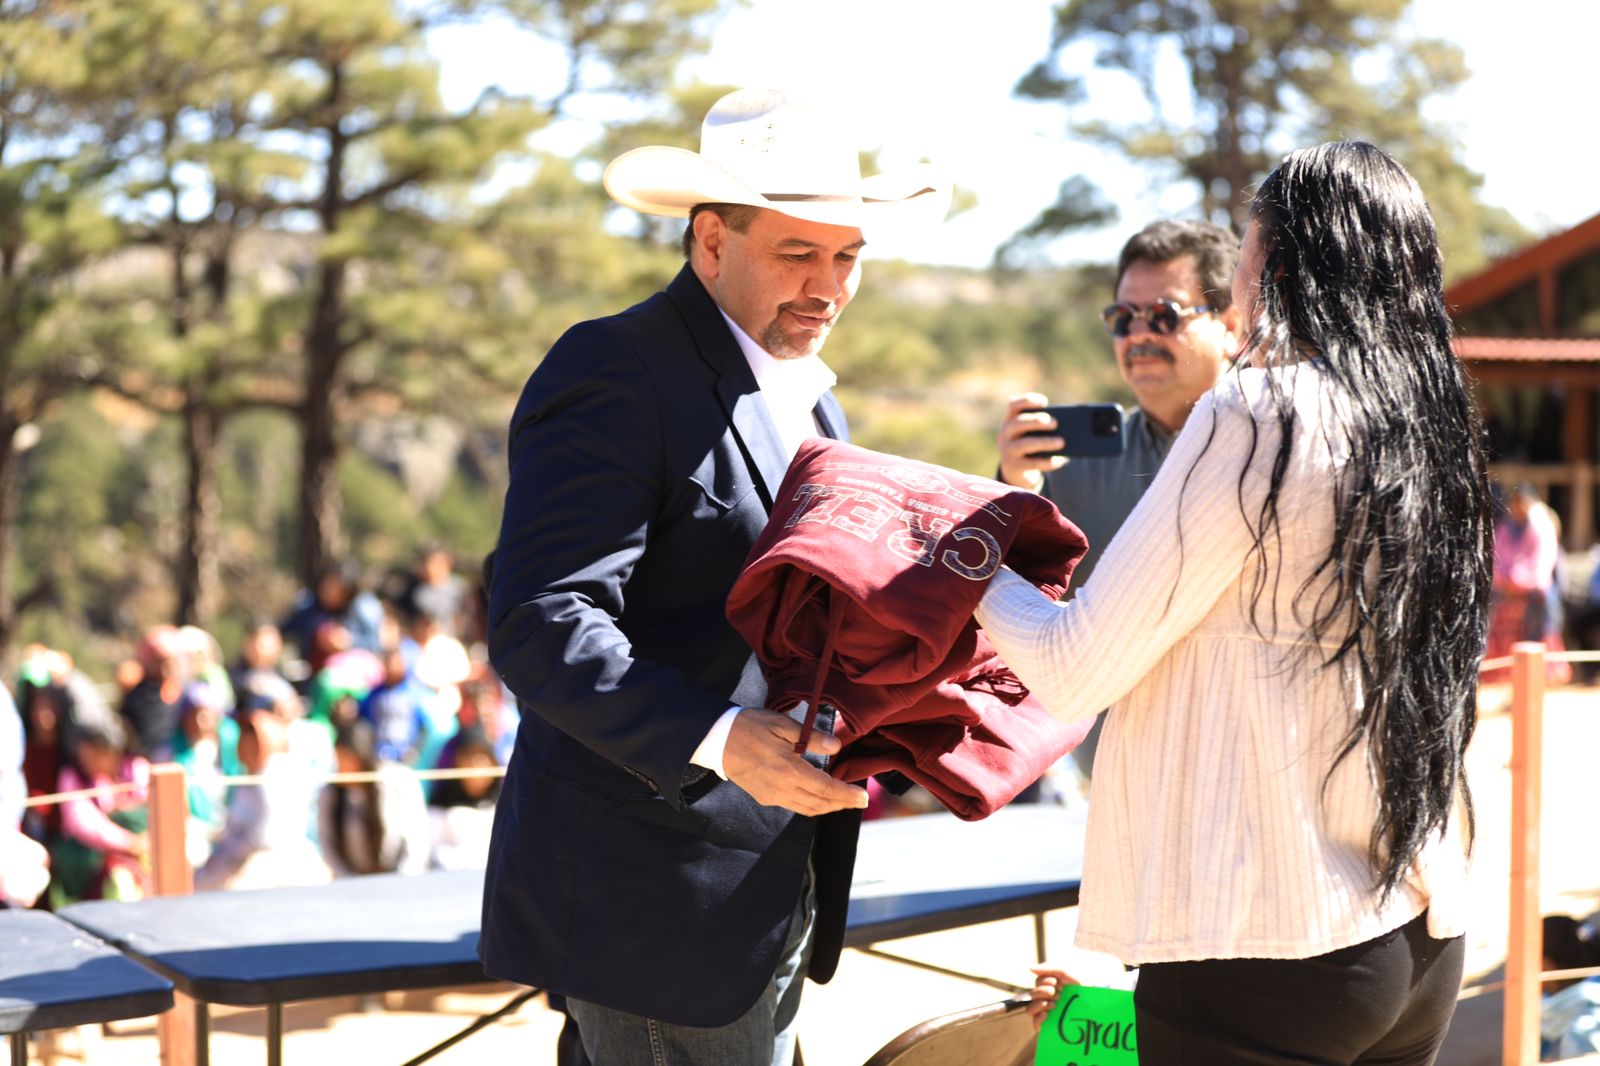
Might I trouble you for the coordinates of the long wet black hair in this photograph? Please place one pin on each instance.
(1351, 277)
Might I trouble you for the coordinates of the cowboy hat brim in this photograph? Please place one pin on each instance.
(659, 180)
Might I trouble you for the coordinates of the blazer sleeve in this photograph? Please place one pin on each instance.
(587, 482)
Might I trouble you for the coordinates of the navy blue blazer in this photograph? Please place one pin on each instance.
(643, 465)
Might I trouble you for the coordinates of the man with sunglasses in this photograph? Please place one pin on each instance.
(1173, 328)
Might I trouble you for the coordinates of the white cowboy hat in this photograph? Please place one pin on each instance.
(759, 148)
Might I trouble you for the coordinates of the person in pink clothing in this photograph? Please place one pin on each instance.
(102, 850)
(1527, 600)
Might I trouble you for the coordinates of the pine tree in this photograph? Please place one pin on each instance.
(1263, 77)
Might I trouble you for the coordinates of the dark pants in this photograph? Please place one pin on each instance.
(1386, 1001)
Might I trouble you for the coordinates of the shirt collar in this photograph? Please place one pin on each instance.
(1157, 436)
(793, 382)
(1160, 435)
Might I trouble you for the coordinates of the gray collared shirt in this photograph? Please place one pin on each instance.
(1098, 494)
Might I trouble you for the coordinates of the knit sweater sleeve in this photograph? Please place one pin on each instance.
(1182, 548)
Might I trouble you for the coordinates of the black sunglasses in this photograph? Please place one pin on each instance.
(1164, 317)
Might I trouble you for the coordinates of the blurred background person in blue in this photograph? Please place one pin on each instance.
(335, 596)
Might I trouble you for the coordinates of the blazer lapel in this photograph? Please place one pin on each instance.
(737, 390)
(752, 424)
(830, 416)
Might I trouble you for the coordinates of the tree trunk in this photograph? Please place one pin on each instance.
(1226, 202)
(321, 535)
(10, 494)
(198, 570)
(321, 538)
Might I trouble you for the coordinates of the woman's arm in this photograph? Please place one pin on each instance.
(1183, 546)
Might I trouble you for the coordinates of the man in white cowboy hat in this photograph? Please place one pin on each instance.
(661, 856)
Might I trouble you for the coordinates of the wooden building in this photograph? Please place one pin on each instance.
(1528, 330)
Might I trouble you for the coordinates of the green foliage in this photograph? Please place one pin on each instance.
(934, 434)
(927, 358)
(466, 516)
(1079, 204)
(388, 530)
(90, 525)
(68, 483)
(292, 224)
(205, 178)
(1263, 77)
(257, 491)
(383, 525)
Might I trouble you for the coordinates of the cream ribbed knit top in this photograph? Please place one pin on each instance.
(1211, 835)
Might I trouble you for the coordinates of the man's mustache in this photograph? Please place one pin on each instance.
(815, 308)
(1148, 351)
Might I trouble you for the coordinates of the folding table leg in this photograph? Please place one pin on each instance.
(202, 1033)
(275, 1034)
(516, 1001)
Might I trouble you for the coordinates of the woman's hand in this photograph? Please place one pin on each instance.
(1046, 989)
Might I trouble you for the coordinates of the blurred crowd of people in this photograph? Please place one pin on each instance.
(349, 680)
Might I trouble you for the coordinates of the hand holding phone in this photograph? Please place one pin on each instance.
(1087, 430)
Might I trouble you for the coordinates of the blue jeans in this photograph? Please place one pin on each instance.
(764, 1036)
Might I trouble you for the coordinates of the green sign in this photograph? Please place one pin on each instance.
(1089, 1027)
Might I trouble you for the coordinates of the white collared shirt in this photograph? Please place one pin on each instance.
(791, 389)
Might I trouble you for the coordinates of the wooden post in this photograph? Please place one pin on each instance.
(170, 870)
(1577, 449)
(1579, 531)
(1523, 944)
(169, 819)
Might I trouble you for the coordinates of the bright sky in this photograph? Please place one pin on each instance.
(934, 78)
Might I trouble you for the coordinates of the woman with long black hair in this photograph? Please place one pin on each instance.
(1289, 626)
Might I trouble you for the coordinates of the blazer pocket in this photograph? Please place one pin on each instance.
(697, 781)
(723, 484)
(614, 789)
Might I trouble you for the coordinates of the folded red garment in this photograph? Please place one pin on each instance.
(860, 594)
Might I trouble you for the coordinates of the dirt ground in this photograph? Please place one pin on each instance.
(872, 999)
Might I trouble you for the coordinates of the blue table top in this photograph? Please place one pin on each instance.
(351, 937)
(370, 934)
(931, 872)
(53, 975)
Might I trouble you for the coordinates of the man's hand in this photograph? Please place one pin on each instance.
(760, 758)
(1017, 467)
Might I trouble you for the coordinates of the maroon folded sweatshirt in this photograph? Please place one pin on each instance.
(860, 593)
